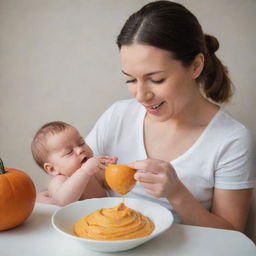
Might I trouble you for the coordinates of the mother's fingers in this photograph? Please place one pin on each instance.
(147, 177)
(147, 165)
(148, 186)
(150, 165)
(155, 189)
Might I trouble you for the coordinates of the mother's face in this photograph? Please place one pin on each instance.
(162, 84)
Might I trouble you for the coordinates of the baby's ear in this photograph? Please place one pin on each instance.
(49, 168)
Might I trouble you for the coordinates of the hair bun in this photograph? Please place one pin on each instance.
(212, 43)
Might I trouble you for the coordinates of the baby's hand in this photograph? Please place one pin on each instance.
(95, 164)
(108, 160)
(44, 197)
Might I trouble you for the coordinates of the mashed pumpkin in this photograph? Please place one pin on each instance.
(118, 223)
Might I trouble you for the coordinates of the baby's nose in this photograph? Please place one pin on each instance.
(79, 150)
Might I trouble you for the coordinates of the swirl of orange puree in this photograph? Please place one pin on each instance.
(118, 223)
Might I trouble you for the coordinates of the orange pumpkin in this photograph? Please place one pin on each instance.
(17, 197)
(120, 178)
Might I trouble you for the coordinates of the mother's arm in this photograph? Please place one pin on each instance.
(232, 205)
(229, 207)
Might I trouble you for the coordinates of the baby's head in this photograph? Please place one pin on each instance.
(58, 148)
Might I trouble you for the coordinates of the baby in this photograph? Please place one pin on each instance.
(61, 151)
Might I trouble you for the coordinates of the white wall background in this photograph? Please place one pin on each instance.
(59, 61)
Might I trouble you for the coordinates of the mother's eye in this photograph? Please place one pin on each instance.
(131, 81)
(157, 81)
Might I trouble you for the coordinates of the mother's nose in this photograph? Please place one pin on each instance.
(143, 93)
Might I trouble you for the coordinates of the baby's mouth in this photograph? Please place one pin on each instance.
(84, 160)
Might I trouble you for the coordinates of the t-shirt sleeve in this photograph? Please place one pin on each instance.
(236, 168)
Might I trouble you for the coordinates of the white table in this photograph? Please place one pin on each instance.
(36, 237)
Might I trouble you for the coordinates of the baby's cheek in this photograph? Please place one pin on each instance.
(88, 150)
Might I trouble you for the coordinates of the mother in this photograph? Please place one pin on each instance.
(197, 159)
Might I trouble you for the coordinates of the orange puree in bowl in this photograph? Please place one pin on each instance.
(118, 223)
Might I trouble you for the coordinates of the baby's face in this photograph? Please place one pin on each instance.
(67, 151)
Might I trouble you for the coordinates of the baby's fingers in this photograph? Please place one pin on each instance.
(108, 160)
(101, 166)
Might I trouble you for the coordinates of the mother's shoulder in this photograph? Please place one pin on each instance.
(230, 126)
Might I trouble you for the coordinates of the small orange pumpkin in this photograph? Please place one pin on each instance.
(17, 197)
(120, 178)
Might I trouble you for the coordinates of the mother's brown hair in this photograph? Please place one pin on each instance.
(172, 27)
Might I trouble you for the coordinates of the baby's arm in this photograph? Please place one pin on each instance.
(93, 189)
(65, 190)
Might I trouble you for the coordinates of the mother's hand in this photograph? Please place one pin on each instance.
(159, 178)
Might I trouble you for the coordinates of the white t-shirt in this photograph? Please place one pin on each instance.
(222, 157)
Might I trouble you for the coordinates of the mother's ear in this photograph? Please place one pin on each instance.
(197, 65)
(49, 168)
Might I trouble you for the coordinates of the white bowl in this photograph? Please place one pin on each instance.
(64, 219)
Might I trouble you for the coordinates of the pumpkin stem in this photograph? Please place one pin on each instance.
(2, 170)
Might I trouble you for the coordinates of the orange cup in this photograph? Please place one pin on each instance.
(120, 178)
